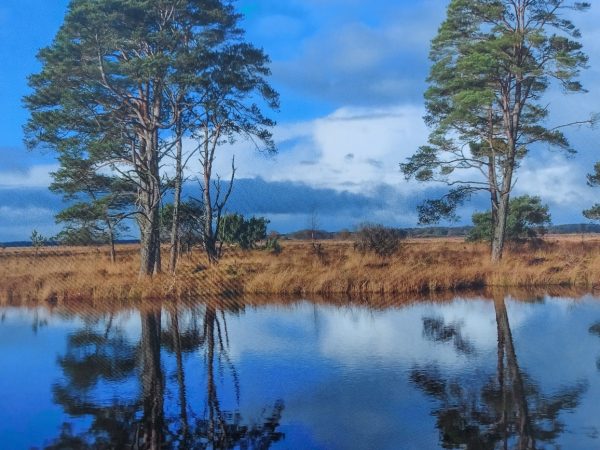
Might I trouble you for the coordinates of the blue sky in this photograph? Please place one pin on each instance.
(351, 74)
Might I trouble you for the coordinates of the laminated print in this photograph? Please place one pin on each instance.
(318, 224)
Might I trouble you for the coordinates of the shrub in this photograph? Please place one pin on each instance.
(234, 229)
(191, 223)
(383, 241)
(81, 236)
(37, 241)
(527, 219)
(273, 245)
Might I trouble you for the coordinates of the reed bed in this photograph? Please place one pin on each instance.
(330, 268)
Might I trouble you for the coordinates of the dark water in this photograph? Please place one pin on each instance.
(470, 373)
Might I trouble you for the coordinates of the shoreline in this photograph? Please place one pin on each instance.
(421, 267)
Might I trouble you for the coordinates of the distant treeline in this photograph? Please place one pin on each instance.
(53, 243)
(577, 228)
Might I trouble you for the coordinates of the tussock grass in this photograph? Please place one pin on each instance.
(335, 269)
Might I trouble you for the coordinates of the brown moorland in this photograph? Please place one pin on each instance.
(331, 268)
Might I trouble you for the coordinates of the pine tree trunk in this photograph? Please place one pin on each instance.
(147, 248)
(175, 240)
(492, 180)
(499, 228)
(150, 263)
(149, 201)
(111, 241)
(214, 417)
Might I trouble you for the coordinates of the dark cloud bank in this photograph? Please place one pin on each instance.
(288, 205)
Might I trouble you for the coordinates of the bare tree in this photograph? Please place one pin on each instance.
(226, 111)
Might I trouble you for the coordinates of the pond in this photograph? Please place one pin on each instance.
(463, 373)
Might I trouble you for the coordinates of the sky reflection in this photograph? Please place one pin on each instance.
(472, 372)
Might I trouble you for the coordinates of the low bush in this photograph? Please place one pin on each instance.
(272, 245)
(235, 229)
(378, 239)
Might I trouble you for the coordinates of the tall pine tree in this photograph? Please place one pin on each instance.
(492, 62)
(112, 87)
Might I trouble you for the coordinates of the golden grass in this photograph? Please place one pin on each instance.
(423, 266)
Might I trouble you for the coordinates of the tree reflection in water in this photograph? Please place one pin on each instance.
(92, 357)
(507, 411)
(595, 329)
(98, 355)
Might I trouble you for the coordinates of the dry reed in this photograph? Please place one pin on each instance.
(420, 267)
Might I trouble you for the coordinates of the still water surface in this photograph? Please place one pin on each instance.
(468, 373)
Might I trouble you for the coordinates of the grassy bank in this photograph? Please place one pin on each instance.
(421, 267)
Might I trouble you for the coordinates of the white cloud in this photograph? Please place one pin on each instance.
(398, 335)
(34, 176)
(555, 180)
(352, 149)
(17, 223)
(393, 335)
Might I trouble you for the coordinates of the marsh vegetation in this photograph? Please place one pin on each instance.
(331, 267)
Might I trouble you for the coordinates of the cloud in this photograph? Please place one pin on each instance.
(291, 205)
(345, 52)
(560, 182)
(33, 176)
(259, 196)
(24, 209)
(17, 223)
(351, 149)
(398, 336)
(352, 74)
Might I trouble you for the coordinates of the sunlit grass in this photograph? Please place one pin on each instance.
(421, 266)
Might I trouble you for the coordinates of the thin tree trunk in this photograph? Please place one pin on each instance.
(111, 241)
(175, 239)
(158, 258)
(113, 253)
(210, 378)
(149, 200)
(512, 103)
(209, 237)
(492, 178)
(217, 431)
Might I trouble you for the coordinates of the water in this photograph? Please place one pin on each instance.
(467, 373)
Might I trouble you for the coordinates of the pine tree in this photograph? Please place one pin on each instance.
(492, 62)
(115, 81)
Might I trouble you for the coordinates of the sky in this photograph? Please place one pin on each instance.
(351, 76)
